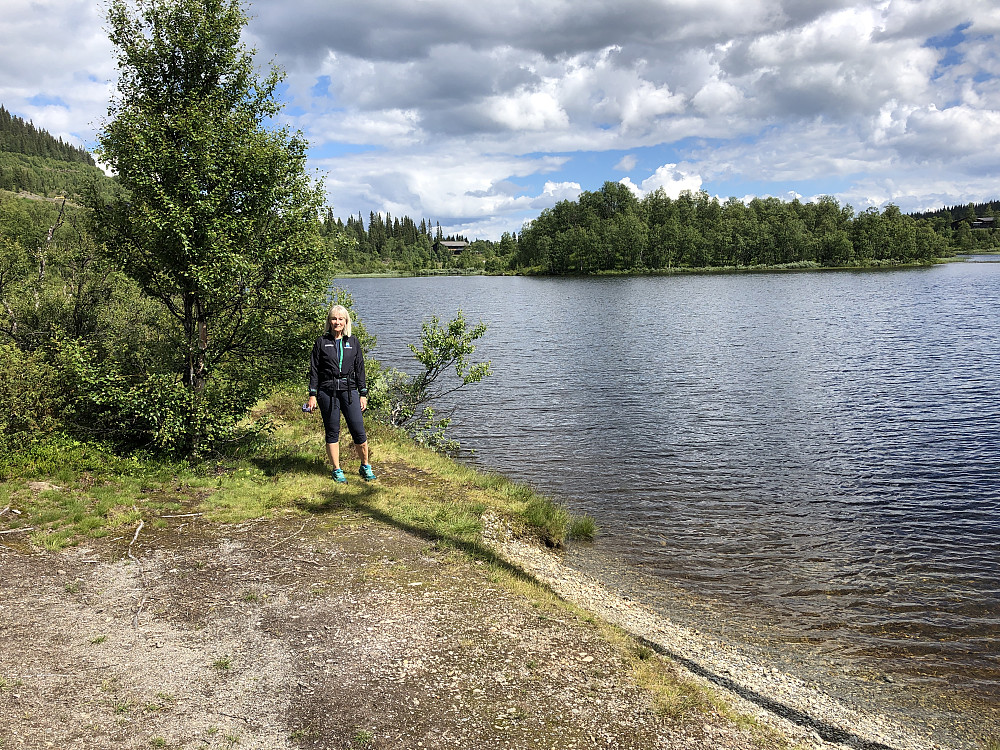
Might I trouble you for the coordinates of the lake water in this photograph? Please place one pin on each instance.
(808, 463)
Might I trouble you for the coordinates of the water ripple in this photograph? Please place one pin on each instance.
(816, 448)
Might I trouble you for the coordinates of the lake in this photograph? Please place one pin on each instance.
(808, 463)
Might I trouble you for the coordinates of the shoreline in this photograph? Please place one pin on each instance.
(778, 699)
(659, 272)
(775, 698)
(319, 632)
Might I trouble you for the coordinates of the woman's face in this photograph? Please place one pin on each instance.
(338, 321)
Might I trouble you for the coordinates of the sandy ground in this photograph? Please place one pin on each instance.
(336, 631)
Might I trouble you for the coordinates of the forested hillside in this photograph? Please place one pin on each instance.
(20, 137)
(33, 161)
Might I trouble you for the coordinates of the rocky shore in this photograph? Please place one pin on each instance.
(777, 699)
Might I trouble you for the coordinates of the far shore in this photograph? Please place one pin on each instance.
(674, 271)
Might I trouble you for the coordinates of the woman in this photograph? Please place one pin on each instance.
(337, 383)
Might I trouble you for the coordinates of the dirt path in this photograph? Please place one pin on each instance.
(333, 632)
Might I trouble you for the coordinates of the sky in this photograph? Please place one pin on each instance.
(479, 115)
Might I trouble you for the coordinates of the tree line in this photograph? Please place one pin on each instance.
(18, 136)
(403, 245)
(612, 230)
(966, 212)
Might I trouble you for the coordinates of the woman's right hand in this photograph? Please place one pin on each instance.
(311, 404)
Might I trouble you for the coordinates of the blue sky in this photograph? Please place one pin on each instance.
(480, 115)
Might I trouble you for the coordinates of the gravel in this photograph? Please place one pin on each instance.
(775, 698)
(336, 631)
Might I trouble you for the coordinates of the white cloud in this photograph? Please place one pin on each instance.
(627, 163)
(55, 65)
(457, 186)
(647, 101)
(527, 110)
(394, 128)
(672, 180)
(960, 131)
(717, 97)
(553, 192)
(464, 111)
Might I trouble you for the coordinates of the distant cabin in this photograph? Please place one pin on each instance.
(980, 222)
(456, 247)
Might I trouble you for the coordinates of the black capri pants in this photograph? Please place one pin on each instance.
(331, 404)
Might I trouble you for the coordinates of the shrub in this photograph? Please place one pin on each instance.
(31, 401)
(156, 410)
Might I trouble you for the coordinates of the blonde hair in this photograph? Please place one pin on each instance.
(343, 311)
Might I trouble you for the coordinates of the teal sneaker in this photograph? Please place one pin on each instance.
(366, 473)
(338, 476)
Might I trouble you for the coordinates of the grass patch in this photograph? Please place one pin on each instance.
(583, 529)
(675, 697)
(303, 733)
(88, 492)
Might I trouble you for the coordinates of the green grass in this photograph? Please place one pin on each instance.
(224, 664)
(84, 491)
(303, 733)
(89, 492)
(583, 528)
(6, 684)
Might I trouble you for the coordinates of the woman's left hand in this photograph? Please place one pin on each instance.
(364, 403)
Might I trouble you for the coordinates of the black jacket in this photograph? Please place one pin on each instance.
(335, 361)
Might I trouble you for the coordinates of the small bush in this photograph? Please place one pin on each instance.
(30, 400)
(223, 664)
(156, 410)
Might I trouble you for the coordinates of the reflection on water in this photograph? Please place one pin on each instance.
(819, 449)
